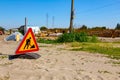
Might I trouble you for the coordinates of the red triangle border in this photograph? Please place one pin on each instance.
(23, 52)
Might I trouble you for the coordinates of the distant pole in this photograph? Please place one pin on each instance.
(25, 27)
(72, 16)
(53, 21)
(47, 20)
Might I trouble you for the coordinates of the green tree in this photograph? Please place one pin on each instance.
(118, 26)
(43, 28)
(104, 27)
(1, 28)
(83, 27)
(99, 28)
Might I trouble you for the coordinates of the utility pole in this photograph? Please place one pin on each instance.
(72, 16)
(25, 27)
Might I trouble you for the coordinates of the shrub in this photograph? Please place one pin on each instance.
(94, 39)
(81, 37)
(71, 37)
(46, 41)
(43, 28)
(67, 37)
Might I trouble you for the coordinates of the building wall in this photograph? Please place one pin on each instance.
(35, 29)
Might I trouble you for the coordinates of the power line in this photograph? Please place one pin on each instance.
(98, 8)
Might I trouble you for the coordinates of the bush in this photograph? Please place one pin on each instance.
(81, 37)
(43, 28)
(47, 41)
(94, 39)
(67, 37)
(71, 37)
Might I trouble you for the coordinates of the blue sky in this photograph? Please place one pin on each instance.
(89, 12)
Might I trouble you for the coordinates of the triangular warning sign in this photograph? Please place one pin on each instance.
(28, 44)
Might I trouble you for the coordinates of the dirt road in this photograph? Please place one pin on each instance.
(56, 63)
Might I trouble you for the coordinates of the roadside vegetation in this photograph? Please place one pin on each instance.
(104, 48)
(82, 42)
(70, 37)
(46, 41)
